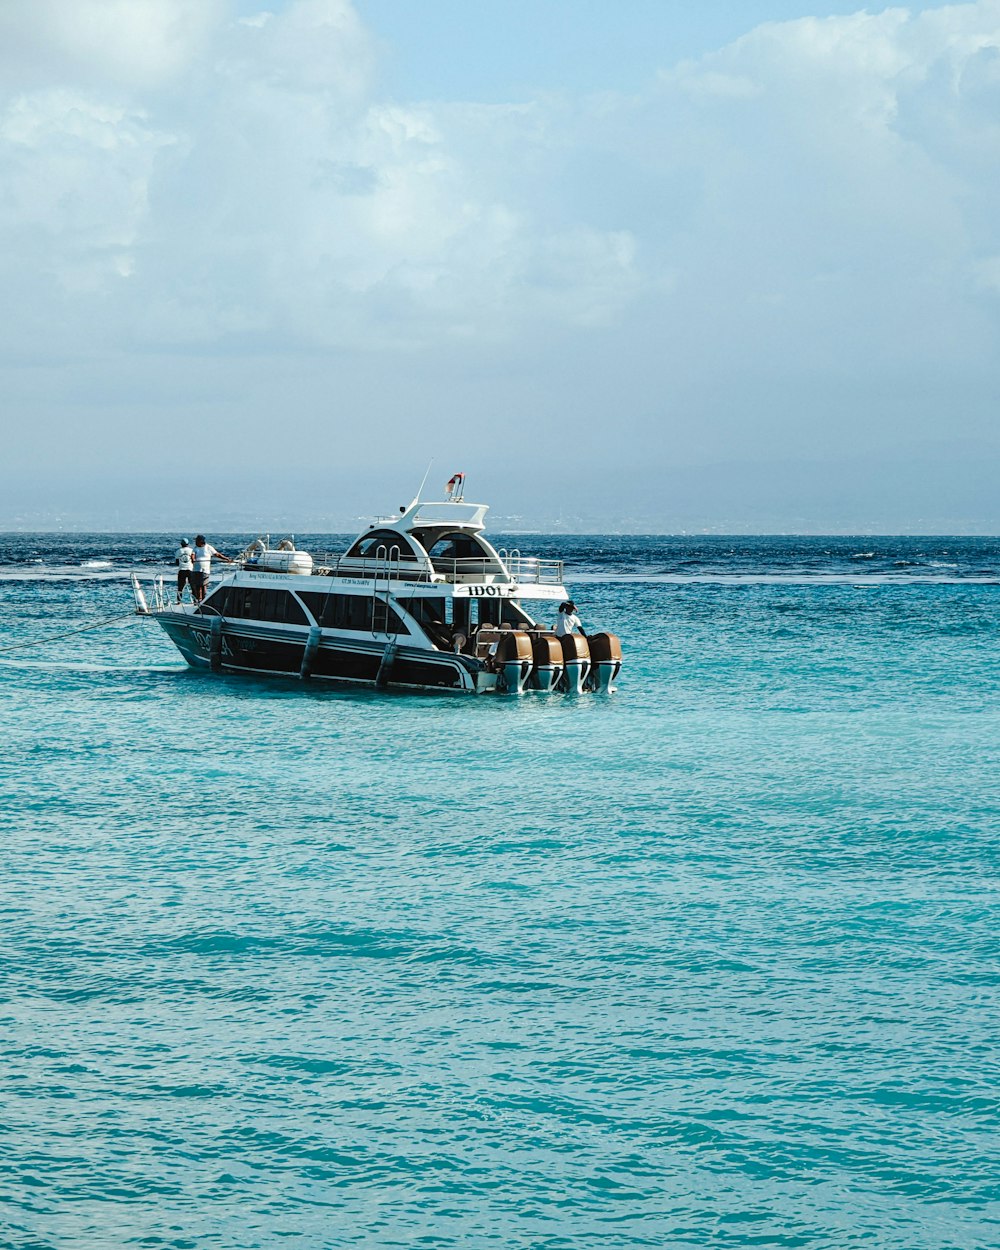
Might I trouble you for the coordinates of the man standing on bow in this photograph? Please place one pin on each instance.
(184, 559)
(203, 552)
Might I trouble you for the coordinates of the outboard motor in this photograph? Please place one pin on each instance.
(513, 660)
(576, 658)
(547, 657)
(606, 661)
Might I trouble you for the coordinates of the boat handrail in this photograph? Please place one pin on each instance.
(388, 562)
(535, 569)
(468, 568)
(531, 570)
(329, 564)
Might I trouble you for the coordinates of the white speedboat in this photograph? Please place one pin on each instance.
(419, 601)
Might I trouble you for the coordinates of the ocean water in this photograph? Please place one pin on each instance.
(710, 962)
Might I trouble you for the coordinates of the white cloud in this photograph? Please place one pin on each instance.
(112, 44)
(815, 202)
(275, 189)
(846, 163)
(75, 175)
(987, 272)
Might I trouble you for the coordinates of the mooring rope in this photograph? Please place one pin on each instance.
(67, 633)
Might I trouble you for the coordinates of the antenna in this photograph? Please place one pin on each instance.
(416, 497)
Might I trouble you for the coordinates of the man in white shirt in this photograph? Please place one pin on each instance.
(203, 552)
(568, 620)
(184, 559)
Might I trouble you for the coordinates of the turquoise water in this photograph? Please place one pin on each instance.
(710, 962)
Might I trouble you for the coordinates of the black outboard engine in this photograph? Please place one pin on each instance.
(605, 660)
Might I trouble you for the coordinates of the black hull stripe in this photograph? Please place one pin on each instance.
(263, 651)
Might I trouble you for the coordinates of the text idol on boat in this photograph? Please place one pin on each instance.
(419, 601)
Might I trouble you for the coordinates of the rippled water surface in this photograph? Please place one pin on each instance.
(710, 962)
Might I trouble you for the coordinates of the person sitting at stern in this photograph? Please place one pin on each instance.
(568, 620)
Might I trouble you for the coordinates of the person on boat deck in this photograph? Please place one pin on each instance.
(203, 552)
(184, 559)
(568, 620)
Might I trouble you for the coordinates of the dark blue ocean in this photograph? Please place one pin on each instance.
(709, 962)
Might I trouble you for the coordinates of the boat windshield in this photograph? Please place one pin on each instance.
(458, 552)
(380, 544)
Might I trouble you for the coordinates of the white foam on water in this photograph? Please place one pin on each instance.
(96, 572)
(82, 666)
(782, 579)
(104, 571)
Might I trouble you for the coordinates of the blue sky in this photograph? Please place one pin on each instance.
(475, 50)
(644, 265)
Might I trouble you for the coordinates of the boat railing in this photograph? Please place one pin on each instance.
(526, 569)
(158, 599)
(468, 568)
(533, 569)
(390, 564)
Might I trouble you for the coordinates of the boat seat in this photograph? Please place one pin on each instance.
(485, 638)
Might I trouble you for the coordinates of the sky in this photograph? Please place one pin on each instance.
(649, 266)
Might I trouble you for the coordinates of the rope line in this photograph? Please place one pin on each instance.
(68, 633)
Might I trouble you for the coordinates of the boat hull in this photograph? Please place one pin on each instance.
(249, 648)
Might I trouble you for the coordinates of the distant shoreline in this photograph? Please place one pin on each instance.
(611, 532)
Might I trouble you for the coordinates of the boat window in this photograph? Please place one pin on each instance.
(255, 603)
(514, 614)
(216, 603)
(354, 612)
(500, 611)
(432, 615)
(377, 545)
(458, 546)
(427, 611)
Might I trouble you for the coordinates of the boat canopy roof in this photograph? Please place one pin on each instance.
(422, 525)
(422, 514)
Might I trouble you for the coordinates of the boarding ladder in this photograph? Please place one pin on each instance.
(385, 573)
